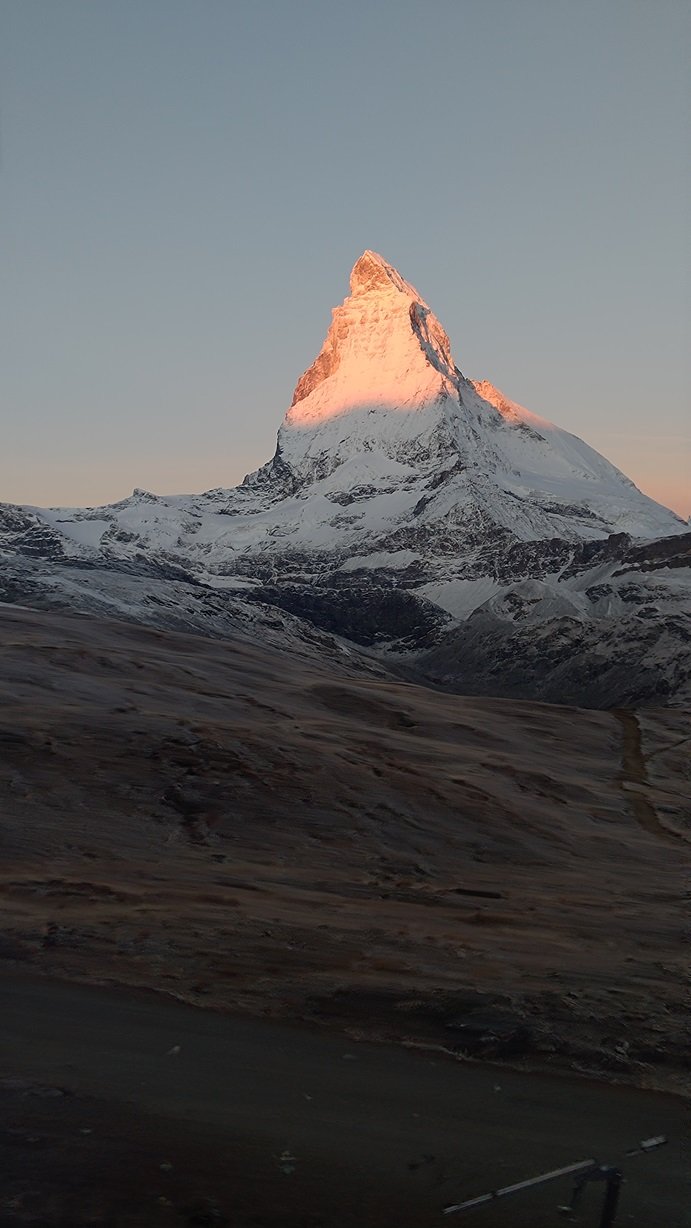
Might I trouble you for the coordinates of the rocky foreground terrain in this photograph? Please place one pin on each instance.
(286, 835)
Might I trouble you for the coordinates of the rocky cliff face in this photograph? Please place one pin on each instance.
(402, 499)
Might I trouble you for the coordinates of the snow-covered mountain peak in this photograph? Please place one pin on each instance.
(384, 349)
(384, 381)
(385, 391)
(372, 272)
(401, 497)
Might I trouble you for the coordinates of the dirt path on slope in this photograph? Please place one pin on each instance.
(634, 776)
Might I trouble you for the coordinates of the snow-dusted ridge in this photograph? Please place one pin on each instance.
(393, 474)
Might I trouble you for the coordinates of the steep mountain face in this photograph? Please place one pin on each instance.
(402, 499)
(384, 411)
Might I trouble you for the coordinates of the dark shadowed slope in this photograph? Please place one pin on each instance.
(129, 1111)
(259, 832)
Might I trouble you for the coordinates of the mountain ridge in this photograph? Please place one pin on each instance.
(402, 498)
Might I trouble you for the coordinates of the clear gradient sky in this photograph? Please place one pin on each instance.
(185, 185)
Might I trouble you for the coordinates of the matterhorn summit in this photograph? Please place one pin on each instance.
(384, 379)
(384, 351)
(406, 508)
(385, 397)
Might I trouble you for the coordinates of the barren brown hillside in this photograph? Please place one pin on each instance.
(267, 834)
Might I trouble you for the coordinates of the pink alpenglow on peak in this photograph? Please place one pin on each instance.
(384, 350)
(384, 404)
(371, 272)
(511, 411)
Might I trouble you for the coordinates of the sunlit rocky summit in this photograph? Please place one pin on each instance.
(385, 403)
(407, 509)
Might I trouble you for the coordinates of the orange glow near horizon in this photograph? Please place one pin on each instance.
(65, 485)
(662, 474)
(678, 498)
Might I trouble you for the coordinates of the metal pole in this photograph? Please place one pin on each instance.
(579, 1167)
(609, 1206)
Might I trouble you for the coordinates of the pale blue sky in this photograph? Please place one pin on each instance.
(185, 185)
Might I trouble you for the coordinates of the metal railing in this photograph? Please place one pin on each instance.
(584, 1171)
